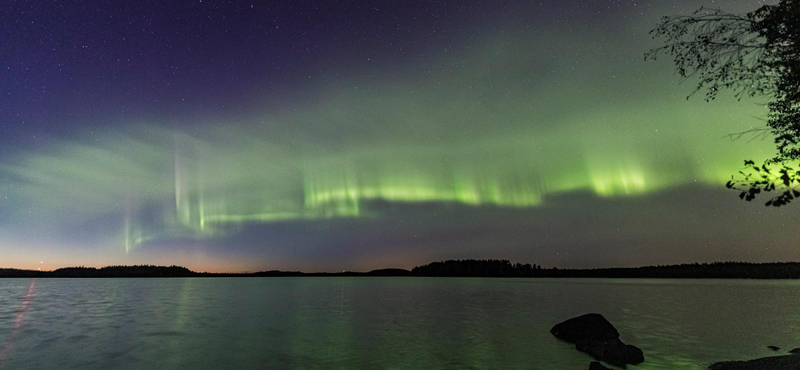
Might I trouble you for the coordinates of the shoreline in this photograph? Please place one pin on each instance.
(454, 268)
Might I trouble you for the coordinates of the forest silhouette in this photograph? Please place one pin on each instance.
(454, 268)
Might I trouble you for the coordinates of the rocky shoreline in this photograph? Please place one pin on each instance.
(783, 362)
(594, 335)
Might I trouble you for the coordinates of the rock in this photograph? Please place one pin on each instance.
(597, 366)
(774, 348)
(795, 351)
(592, 325)
(786, 362)
(622, 354)
(593, 334)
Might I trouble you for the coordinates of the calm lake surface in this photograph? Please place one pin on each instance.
(382, 323)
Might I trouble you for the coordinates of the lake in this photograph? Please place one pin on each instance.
(382, 322)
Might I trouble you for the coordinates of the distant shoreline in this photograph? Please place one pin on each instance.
(453, 268)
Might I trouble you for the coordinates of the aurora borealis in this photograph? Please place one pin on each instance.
(236, 136)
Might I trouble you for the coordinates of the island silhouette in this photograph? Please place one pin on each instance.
(452, 268)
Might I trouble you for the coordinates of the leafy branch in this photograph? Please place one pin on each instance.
(782, 180)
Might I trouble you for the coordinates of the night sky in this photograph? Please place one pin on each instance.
(333, 135)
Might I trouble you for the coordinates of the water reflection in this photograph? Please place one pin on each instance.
(19, 319)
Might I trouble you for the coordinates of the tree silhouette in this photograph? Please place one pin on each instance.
(755, 54)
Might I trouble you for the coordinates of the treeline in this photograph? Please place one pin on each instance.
(150, 271)
(715, 270)
(105, 272)
(278, 273)
(477, 268)
(457, 268)
(126, 271)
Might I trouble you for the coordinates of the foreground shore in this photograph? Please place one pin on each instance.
(785, 362)
(594, 335)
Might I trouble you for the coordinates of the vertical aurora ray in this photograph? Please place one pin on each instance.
(127, 231)
(182, 195)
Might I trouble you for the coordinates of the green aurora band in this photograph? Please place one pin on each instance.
(501, 127)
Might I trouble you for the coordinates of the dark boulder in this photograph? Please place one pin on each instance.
(591, 325)
(774, 348)
(593, 334)
(621, 354)
(598, 366)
